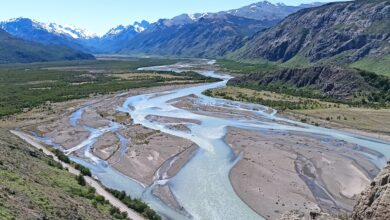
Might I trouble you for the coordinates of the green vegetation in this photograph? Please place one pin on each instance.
(80, 179)
(24, 87)
(15, 50)
(377, 65)
(246, 67)
(61, 156)
(84, 170)
(136, 205)
(373, 91)
(312, 111)
(34, 186)
(277, 101)
(378, 99)
(298, 61)
(382, 83)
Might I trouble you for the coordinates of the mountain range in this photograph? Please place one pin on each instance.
(337, 33)
(15, 50)
(193, 35)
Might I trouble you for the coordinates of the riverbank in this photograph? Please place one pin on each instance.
(90, 181)
(145, 151)
(367, 121)
(283, 165)
(35, 186)
(280, 171)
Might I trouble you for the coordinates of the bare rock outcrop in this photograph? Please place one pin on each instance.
(374, 202)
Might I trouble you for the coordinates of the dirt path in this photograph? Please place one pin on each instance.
(90, 181)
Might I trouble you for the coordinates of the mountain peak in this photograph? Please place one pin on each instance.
(18, 24)
(266, 10)
(136, 27)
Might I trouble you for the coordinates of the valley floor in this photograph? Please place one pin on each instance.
(371, 121)
(150, 153)
(277, 171)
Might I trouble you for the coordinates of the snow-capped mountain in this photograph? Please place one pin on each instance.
(204, 36)
(137, 27)
(47, 34)
(122, 38)
(265, 10)
(76, 33)
(116, 37)
(17, 25)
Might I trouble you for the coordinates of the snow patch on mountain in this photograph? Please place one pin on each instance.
(137, 27)
(65, 30)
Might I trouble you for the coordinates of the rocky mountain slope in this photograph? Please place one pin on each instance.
(321, 82)
(338, 32)
(210, 36)
(374, 202)
(15, 50)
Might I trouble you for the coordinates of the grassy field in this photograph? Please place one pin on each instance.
(275, 100)
(373, 120)
(25, 86)
(309, 110)
(34, 186)
(379, 66)
(244, 67)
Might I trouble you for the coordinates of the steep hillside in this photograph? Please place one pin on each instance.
(210, 36)
(343, 32)
(14, 50)
(34, 186)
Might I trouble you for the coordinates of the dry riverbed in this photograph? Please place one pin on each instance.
(147, 151)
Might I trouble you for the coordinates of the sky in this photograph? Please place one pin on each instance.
(98, 16)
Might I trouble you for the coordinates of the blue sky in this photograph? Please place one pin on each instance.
(99, 16)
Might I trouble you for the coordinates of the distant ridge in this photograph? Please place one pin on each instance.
(15, 50)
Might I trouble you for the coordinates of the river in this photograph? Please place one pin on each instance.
(203, 187)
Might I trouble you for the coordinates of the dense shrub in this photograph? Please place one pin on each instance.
(80, 179)
(61, 156)
(136, 204)
(84, 170)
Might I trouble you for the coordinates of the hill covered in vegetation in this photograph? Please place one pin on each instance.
(15, 50)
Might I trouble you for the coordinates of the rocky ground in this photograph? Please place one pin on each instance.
(374, 201)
